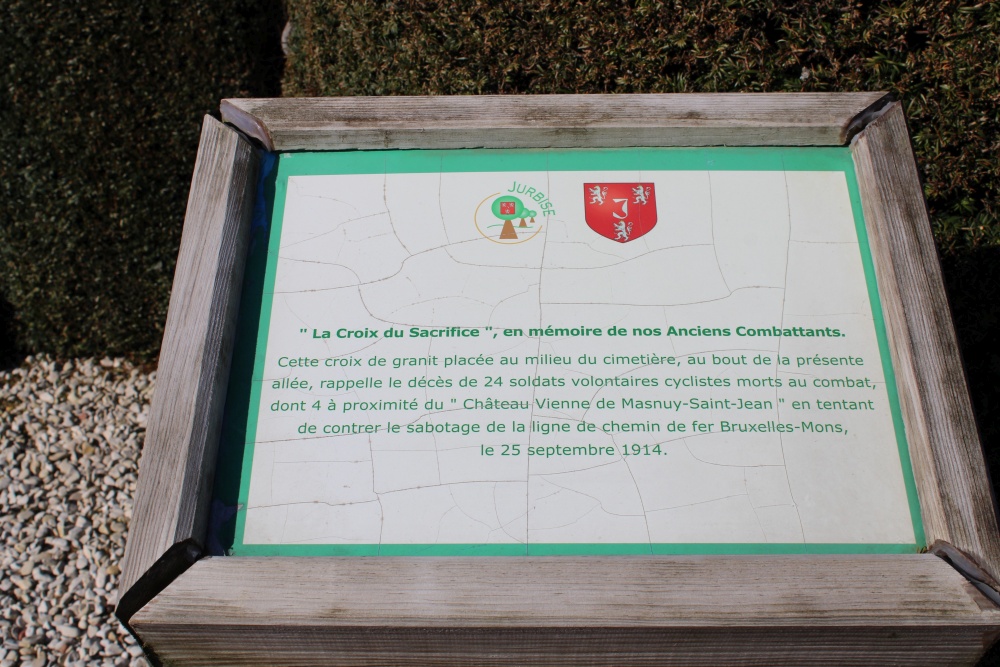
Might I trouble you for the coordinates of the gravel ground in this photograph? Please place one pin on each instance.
(70, 435)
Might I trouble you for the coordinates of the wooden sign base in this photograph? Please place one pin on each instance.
(926, 607)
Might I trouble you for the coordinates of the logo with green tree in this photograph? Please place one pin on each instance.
(505, 219)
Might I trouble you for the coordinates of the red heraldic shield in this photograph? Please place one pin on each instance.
(620, 211)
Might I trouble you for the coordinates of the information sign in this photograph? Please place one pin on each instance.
(503, 352)
(553, 380)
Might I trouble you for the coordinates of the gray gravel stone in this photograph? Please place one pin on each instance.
(70, 437)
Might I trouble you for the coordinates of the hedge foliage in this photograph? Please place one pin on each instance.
(101, 103)
(100, 111)
(941, 57)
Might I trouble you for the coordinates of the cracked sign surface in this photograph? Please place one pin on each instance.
(451, 360)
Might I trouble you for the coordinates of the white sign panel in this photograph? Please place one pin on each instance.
(653, 351)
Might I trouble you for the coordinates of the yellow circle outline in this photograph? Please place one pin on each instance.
(475, 219)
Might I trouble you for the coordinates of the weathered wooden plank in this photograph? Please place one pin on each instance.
(178, 460)
(626, 647)
(709, 610)
(951, 476)
(552, 121)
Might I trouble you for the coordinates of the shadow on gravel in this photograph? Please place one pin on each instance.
(10, 355)
(972, 279)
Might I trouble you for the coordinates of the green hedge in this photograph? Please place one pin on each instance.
(100, 112)
(100, 109)
(941, 58)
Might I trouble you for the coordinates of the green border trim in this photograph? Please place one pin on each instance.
(883, 347)
(232, 442)
(572, 549)
(498, 160)
(279, 190)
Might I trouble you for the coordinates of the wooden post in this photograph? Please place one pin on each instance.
(175, 474)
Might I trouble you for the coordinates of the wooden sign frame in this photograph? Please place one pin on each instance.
(938, 607)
